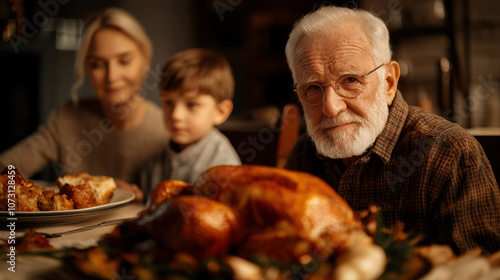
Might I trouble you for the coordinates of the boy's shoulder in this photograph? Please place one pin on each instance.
(221, 145)
(215, 136)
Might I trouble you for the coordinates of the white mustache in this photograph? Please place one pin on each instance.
(340, 120)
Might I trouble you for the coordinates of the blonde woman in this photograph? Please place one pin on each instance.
(113, 134)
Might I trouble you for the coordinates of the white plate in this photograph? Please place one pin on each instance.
(120, 198)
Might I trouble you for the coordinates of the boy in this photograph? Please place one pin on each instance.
(196, 87)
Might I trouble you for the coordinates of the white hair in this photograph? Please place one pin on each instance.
(327, 18)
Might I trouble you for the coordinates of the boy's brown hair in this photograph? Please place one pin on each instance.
(199, 69)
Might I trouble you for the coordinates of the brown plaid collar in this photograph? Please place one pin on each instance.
(386, 141)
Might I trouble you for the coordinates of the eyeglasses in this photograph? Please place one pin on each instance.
(347, 86)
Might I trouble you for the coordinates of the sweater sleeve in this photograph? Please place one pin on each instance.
(36, 151)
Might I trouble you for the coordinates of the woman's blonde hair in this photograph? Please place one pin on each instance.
(199, 69)
(109, 18)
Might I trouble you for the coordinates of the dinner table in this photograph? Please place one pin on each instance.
(38, 267)
(440, 262)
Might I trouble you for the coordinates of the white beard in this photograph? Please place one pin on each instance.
(355, 140)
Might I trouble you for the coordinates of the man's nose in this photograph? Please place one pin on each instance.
(333, 104)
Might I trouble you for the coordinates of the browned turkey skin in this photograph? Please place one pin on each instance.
(249, 210)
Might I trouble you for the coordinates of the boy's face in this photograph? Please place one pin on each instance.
(190, 115)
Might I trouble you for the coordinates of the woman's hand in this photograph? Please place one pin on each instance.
(122, 184)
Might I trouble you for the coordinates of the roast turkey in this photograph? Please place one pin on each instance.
(249, 210)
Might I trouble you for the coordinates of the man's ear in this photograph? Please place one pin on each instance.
(224, 109)
(392, 78)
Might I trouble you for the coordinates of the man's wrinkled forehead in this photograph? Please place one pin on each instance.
(338, 52)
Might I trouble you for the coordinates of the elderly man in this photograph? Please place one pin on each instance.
(373, 148)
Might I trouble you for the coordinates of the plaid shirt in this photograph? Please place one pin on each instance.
(422, 170)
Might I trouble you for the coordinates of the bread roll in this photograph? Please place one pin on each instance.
(102, 187)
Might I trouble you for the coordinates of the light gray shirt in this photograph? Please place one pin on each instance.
(212, 150)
